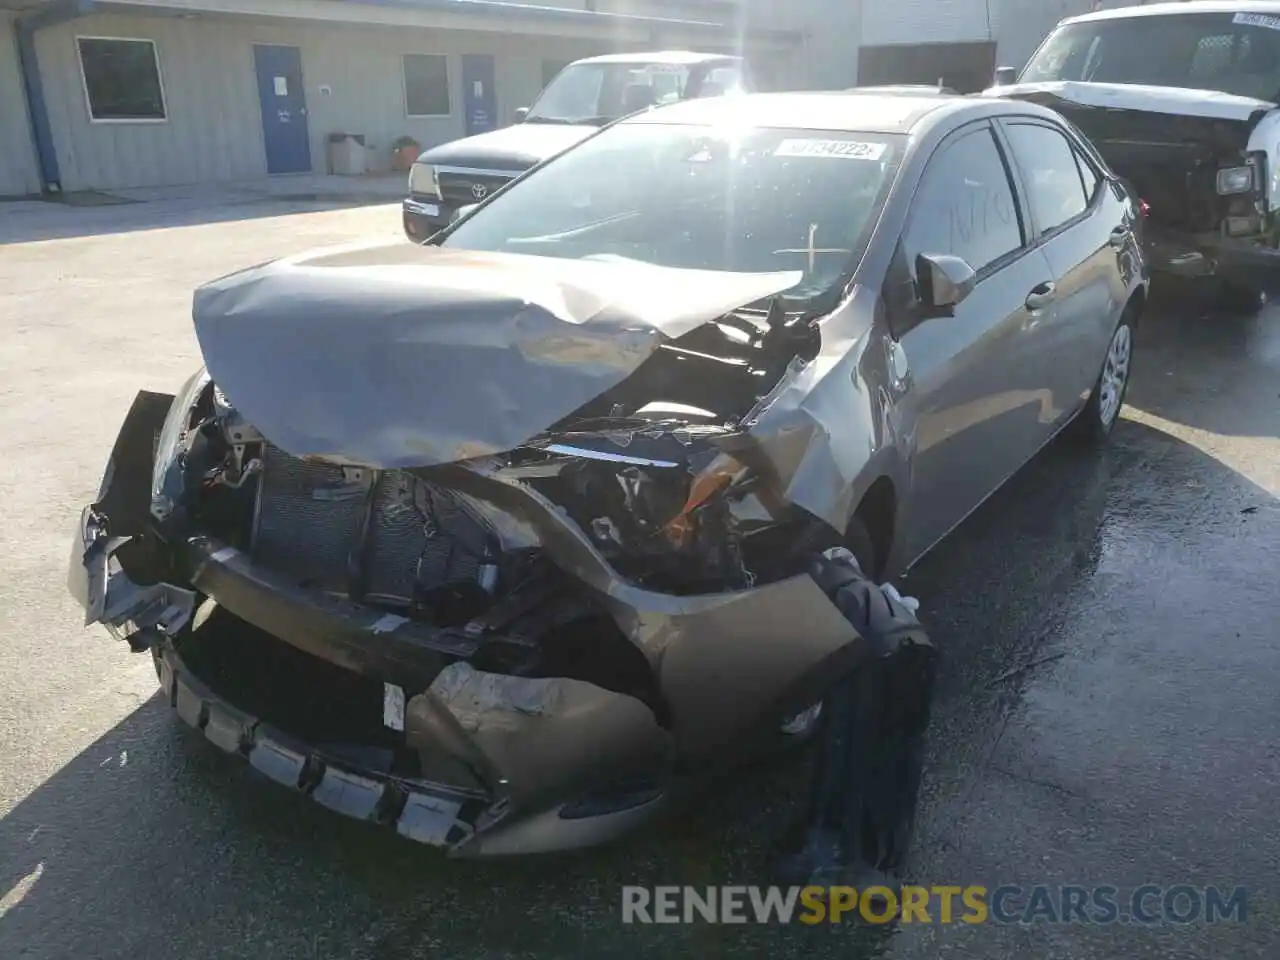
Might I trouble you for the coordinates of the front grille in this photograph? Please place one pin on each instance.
(457, 188)
(308, 525)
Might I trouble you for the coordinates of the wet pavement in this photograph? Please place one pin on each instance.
(1108, 712)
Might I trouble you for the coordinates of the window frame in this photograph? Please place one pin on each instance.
(1040, 235)
(448, 86)
(1083, 164)
(84, 80)
(1012, 177)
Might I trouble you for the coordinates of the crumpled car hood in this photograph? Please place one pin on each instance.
(396, 356)
(1209, 104)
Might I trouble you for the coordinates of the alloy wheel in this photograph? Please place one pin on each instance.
(1115, 375)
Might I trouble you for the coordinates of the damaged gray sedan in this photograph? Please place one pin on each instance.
(502, 541)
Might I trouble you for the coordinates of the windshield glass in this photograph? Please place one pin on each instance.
(750, 200)
(1235, 53)
(600, 92)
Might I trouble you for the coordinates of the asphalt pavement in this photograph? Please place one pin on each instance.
(1108, 713)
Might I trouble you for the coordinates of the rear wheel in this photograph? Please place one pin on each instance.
(1100, 413)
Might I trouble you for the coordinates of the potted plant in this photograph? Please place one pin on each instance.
(403, 152)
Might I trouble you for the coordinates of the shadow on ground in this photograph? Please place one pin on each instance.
(152, 844)
(1207, 370)
(27, 221)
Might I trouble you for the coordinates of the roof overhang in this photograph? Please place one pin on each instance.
(483, 15)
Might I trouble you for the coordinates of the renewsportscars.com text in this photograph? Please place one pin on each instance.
(1149, 904)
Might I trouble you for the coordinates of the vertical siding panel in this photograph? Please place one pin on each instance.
(214, 130)
(925, 21)
(19, 173)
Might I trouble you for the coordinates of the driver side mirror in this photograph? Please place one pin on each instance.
(942, 283)
(521, 113)
(1006, 76)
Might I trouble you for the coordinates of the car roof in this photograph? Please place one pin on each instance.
(851, 111)
(1173, 9)
(660, 56)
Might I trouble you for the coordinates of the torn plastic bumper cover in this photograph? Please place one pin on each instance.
(512, 753)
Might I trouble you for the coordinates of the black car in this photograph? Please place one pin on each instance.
(583, 97)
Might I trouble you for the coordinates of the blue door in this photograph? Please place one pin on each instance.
(479, 104)
(284, 108)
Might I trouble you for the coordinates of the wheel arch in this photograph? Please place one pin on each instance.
(1135, 305)
(878, 513)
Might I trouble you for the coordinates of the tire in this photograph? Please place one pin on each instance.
(894, 698)
(800, 727)
(1098, 417)
(870, 755)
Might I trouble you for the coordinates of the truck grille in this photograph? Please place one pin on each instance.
(309, 515)
(457, 188)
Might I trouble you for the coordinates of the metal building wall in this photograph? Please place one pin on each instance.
(214, 129)
(1017, 26)
(926, 21)
(827, 58)
(18, 172)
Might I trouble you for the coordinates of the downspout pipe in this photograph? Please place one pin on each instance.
(26, 28)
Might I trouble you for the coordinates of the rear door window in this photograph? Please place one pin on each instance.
(965, 205)
(1051, 171)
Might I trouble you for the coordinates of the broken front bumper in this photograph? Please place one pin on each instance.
(532, 763)
(562, 740)
(436, 817)
(1249, 263)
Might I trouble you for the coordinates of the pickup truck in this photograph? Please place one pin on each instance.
(1181, 99)
(580, 99)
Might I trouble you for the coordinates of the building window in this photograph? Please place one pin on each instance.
(426, 85)
(121, 79)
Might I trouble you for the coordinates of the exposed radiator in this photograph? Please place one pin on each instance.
(308, 518)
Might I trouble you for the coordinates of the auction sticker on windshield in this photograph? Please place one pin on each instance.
(1257, 20)
(842, 149)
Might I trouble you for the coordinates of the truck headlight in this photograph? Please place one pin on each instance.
(1233, 180)
(423, 180)
(170, 443)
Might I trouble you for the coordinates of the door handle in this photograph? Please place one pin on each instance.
(1119, 237)
(1041, 296)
